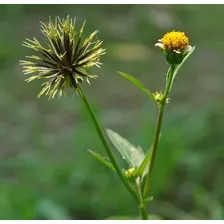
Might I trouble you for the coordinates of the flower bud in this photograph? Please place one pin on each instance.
(159, 97)
(131, 173)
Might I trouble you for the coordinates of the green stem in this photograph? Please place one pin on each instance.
(106, 146)
(143, 213)
(154, 149)
(158, 128)
(142, 206)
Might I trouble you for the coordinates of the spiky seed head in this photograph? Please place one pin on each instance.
(66, 60)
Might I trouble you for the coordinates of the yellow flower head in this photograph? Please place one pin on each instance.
(174, 45)
(175, 40)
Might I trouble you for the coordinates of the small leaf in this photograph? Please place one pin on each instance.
(177, 68)
(104, 160)
(133, 155)
(143, 169)
(148, 199)
(173, 70)
(137, 83)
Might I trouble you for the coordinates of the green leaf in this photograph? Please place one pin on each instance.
(188, 54)
(137, 83)
(104, 160)
(143, 169)
(177, 68)
(133, 155)
(148, 199)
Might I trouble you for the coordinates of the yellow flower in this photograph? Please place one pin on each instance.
(175, 41)
(174, 45)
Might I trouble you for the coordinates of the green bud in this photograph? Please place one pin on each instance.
(131, 173)
(174, 57)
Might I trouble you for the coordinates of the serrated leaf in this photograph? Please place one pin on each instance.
(137, 83)
(102, 159)
(133, 155)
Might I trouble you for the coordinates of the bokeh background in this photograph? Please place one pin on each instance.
(45, 169)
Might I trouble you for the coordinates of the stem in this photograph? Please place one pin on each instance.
(154, 149)
(142, 207)
(106, 146)
(158, 128)
(143, 213)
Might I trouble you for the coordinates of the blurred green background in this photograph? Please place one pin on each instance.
(45, 169)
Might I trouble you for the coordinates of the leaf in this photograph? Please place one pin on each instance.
(148, 199)
(137, 83)
(143, 169)
(177, 68)
(104, 160)
(133, 155)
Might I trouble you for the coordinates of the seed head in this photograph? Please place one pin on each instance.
(65, 61)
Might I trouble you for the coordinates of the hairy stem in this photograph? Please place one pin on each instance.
(106, 146)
